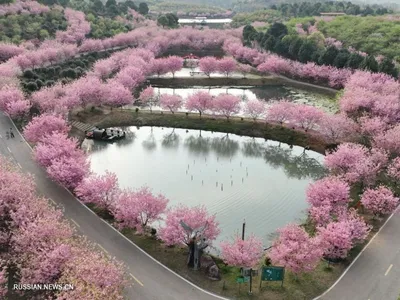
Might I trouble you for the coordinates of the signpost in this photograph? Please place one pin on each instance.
(242, 279)
(272, 274)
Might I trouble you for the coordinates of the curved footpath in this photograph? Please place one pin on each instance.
(373, 275)
(149, 279)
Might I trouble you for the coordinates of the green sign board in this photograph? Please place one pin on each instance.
(272, 273)
(242, 279)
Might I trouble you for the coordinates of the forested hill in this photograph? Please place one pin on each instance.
(251, 5)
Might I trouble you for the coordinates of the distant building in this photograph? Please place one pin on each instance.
(333, 14)
(202, 21)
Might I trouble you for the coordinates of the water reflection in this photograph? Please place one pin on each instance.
(171, 140)
(253, 148)
(150, 143)
(198, 144)
(234, 177)
(224, 146)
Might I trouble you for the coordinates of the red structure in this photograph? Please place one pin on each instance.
(191, 56)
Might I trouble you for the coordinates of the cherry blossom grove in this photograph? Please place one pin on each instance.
(44, 246)
(364, 136)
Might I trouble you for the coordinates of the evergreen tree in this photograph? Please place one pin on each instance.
(354, 61)
(248, 32)
(341, 59)
(294, 48)
(143, 8)
(387, 66)
(282, 47)
(278, 30)
(270, 43)
(307, 51)
(110, 3)
(328, 56)
(369, 63)
(316, 57)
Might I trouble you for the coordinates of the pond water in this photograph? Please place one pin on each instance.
(266, 93)
(235, 177)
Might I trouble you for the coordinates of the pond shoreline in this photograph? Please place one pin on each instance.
(236, 125)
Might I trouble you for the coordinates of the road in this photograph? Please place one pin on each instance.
(149, 279)
(375, 275)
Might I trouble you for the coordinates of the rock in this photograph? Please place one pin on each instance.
(211, 269)
(213, 273)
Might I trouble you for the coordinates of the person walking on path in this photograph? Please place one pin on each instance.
(11, 133)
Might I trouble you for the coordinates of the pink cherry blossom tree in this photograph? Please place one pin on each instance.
(379, 201)
(227, 105)
(159, 66)
(200, 101)
(306, 116)
(45, 247)
(89, 90)
(148, 97)
(337, 128)
(293, 249)
(39, 241)
(359, 229)
(138, 209)
(69, 170)
(328, 198)
(275, 64)
(389, 140)
(255, 109)
(63, 160)
(337, 236)
(281, 112)
(208, 65)
(54, 146)
(130, 77)
(172, 232)
(244, 69)
(8, 95)
(18, 109)
(117, 95)
(101, 190)
(355, 163)
(78, 27)
(171, 102)
(9, 50)
(174, 64)
(330, 191)
(372, 126)
(103, 68)
(242, 253)
(393, 170)
(95, 275)
(44, 125)
(226, 66)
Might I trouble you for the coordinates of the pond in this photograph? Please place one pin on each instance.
(266, 93)
(235, 177)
